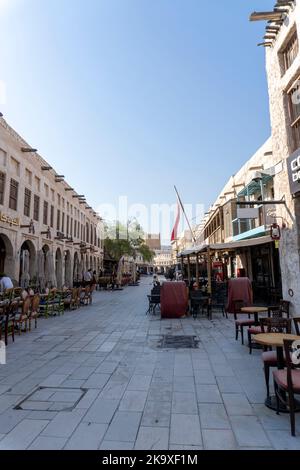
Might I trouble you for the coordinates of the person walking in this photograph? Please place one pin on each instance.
(5, 283)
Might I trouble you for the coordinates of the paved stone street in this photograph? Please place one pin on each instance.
(95, 379)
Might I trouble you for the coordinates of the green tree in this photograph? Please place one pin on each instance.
(129, 239)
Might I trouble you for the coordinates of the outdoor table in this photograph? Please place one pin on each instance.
(254, 311)
(276, 340)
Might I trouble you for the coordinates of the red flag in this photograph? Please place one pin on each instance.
(175, 229)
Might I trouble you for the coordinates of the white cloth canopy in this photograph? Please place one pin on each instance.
(25, 277)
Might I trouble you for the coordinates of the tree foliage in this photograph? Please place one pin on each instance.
(129, 239)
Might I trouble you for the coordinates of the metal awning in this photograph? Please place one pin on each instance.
(227, 246)
(255, 186)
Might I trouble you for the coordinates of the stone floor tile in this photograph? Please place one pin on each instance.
(152, 438)
(116, 445)
(22, 435)
(64, 423)
(218, 439)
(208, 394)
(48, 443)
(213, 416)
(124, 426)
(237, 404)
(184, 402)
(249, 432)
(139, 382)
(133, 401)
(101, 411)
(185, 430)
(87, 436)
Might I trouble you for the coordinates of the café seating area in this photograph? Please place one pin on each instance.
(269, 328)
(20, 310)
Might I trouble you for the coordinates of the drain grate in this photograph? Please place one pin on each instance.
(178, 342)
(52, 399)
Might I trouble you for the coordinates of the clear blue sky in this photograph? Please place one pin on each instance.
(128, 97)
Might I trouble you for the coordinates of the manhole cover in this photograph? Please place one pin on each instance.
(52, 399)
(178, 342)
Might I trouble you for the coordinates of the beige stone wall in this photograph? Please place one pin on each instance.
(26, 169)
(278, 84)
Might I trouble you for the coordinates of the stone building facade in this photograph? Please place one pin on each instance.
(163, 258)
(283, 73)
(49, 235)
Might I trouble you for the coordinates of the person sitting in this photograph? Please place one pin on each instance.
(5, 283)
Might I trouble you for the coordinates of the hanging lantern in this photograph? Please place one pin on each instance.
(275, 232)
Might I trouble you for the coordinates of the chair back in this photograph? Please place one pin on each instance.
(275, 312)
(285, 308)
(8, 294)
(35, 303)
(292, 355)
(237, 306)
(297, 325)
(17, 292)
(276, 325)
(74, 293)
(13, 307)
(26, 306)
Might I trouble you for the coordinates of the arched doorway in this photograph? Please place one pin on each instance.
(6, 256)
(27, 264)
(68, 269)
(58, 268)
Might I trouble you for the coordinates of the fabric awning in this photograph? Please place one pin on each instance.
(227, 246)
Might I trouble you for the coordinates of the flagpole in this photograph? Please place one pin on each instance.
(183, 210)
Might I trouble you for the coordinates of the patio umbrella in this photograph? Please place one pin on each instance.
(68, 272)
(49, 270)
(25, 277)
(120, 271)
(80, 270)
(41, 270)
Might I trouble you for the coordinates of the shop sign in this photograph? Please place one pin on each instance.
(248, 213)
(9, 220)
(293, 163)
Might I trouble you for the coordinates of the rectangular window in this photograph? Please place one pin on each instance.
(52, 216)
(63, 223)
(2, 187)
(45, 213)
(294, 114)
(68, 225)
(290, 52)
(27, 202)
(37, 183)
(71, 228)
(28, 177)
(58, 221)
(36, 208)
(13, 194)
(75, 228)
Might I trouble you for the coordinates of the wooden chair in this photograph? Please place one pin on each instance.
(297, 325)
(3, 312)
(240, 324)
(35, 310)
(269, 358)
(12, 311)
(23, 315)
(287, 382)
(86, 297)
(273, 312)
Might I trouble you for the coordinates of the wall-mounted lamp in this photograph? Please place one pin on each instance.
(30, 227)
